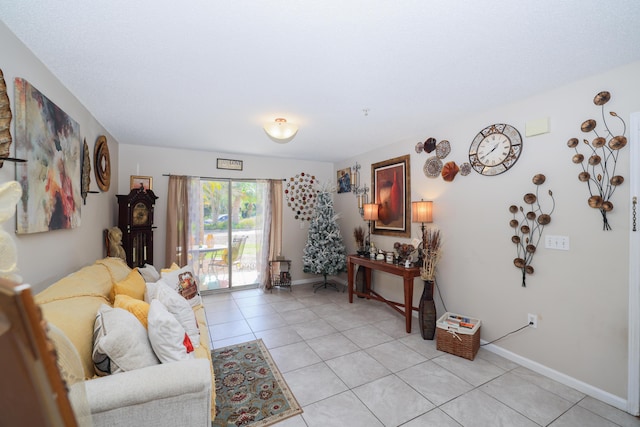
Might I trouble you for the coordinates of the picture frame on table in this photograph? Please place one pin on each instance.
(390, 181)
(145, 181)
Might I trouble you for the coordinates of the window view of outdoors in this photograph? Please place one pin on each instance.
(231, 233)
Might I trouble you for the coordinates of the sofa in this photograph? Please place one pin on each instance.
(162, 394)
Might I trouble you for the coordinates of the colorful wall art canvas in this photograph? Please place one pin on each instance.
(50, 142)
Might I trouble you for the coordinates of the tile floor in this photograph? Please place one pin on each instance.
(354, 365)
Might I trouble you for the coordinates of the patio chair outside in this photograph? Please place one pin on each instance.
(237, 248)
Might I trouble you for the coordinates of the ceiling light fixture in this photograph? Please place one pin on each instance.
(280, 130)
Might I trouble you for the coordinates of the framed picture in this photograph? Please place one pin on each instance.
(344, 180)
(137, 181)
(391, 190)
(229, 164)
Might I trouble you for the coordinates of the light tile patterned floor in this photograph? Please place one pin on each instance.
(354, 365)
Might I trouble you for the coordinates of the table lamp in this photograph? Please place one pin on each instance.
(422, 212)
(370, 214)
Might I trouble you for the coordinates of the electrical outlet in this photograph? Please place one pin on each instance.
(532, 320)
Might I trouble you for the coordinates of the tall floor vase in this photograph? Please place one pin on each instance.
(427, 311)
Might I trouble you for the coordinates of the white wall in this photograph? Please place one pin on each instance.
(580, 296)
(156, 162)
(45, 257)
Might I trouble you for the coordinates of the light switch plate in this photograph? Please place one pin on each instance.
(557, 242)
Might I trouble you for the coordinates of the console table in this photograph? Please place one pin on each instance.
(408, 274)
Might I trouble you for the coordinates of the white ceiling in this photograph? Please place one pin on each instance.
(205, 74)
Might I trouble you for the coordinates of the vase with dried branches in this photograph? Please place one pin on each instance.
(431, 253)
(599, 172)
(358, 235)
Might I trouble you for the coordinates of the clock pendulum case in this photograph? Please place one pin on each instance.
(135, 220)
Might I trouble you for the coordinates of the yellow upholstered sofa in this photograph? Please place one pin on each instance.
(164, 394)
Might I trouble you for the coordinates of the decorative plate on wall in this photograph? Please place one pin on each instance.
(102, 163)
(465, 169)
(429, 145)
(443, 149)
(432, 167)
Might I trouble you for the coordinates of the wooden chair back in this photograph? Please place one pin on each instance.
(32, 391)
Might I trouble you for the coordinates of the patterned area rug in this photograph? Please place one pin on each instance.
(250, 390)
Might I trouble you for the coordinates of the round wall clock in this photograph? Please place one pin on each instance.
(495, 149)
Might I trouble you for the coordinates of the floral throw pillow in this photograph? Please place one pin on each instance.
(185, 283)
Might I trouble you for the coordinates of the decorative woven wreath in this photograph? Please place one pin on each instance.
(301, 195)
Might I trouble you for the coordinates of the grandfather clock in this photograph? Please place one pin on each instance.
(135, 220)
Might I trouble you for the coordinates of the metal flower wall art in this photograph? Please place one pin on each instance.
(528, 230)
(599, 169)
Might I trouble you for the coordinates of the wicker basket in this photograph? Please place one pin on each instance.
(458, 340)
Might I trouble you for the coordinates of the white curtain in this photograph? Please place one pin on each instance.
(262, 256)
(272, 245)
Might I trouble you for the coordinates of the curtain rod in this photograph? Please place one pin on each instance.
(237, 179)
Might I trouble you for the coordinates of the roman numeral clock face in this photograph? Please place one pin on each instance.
(495, 149)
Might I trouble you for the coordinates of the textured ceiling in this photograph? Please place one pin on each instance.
(206, 74)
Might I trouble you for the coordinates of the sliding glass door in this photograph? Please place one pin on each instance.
(232, 233)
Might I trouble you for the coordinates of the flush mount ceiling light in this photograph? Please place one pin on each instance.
(280, 130)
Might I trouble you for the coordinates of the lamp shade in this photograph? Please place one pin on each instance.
(370, 211)
(280, 130)
(422, 211)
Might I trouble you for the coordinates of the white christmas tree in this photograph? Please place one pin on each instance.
(325, 252)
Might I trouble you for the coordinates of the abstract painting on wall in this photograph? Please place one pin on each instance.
(50, 142)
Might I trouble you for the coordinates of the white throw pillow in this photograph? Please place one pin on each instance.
(168, 338)
(180, 309)
(184, 282)
(120, 342)
(149, 273)
(150, 292)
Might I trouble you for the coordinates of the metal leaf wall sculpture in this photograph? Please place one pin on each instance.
(599, 171)
(528, 230)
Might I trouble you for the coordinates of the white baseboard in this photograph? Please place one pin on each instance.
(604, 396)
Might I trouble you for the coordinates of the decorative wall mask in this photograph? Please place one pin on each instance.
(528, 230)
(599, 168)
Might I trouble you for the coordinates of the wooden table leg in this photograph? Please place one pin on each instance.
(367, 281)
(408, 301)
(350, 280)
